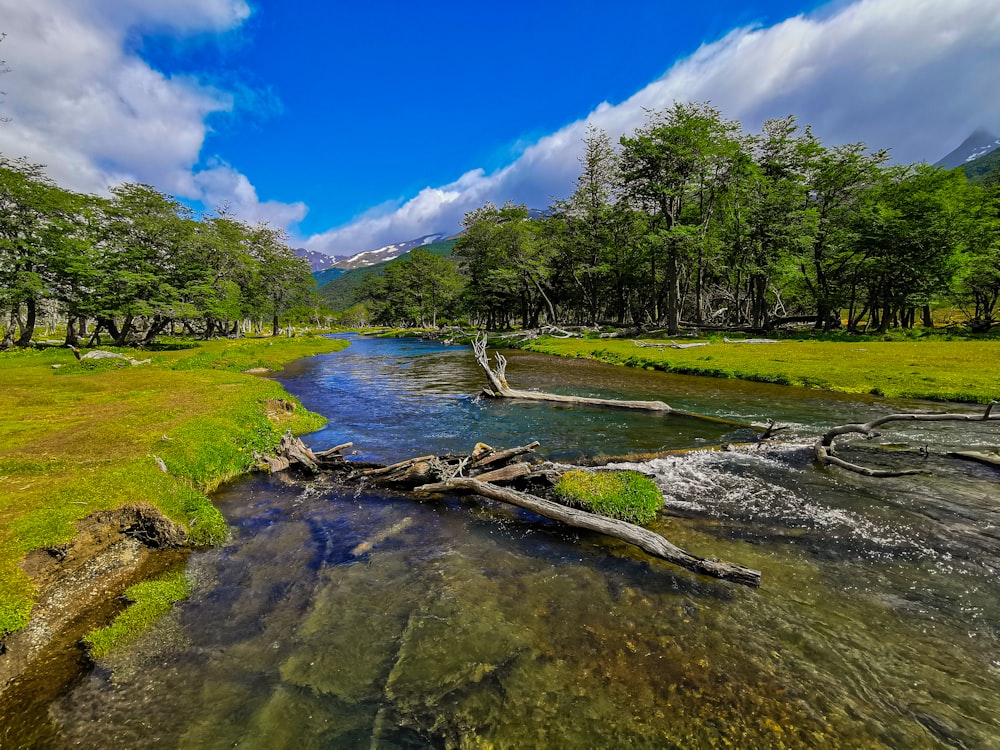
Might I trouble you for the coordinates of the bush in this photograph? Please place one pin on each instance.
(625, 495)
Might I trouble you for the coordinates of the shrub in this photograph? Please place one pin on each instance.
(625, 495)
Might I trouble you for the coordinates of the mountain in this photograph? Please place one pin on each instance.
(383, 254)
(979, 144)
(317, 260)
(340, 293)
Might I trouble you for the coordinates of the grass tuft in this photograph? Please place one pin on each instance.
(150, 601)
(625, 495)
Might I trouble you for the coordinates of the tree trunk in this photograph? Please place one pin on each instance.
(824, 448)
(72, 334)
(28, 328)
(644, 539)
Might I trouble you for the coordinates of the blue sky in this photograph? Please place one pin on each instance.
(355, 125)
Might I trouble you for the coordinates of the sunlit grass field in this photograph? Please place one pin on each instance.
(937, 370)
(86, 436)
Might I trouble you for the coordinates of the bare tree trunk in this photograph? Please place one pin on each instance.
(644, 539)
(824, 449)
(28, 327)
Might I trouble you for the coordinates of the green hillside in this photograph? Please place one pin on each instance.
(340, 293)
(985, 169)
(327, 275)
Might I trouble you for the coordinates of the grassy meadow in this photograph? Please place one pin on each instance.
(86, 436)
(940, 370)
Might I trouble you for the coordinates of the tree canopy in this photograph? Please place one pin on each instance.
(136, 263)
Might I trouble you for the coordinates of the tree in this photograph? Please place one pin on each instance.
(828, 259)
(36, 229)
(140, 276)
(977, 288)
(765, 210)
(583, 226)
(674, 168)
(508, 266)
(283, 280)
(910, 229)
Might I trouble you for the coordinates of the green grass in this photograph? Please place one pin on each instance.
(932, 369)
(76, 440)
(625, 495)
(150, 600)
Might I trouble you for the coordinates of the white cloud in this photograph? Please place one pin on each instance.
(916, 76)
(97, 115)
(221, 185)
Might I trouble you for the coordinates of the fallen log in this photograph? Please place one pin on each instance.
(291, 450)
(645, 539)
(825, 452)
(492, 456)
(499, 388)
(989, 459)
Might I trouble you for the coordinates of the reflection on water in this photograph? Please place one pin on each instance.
(340, 619)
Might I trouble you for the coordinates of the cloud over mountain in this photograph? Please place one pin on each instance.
(915, 76)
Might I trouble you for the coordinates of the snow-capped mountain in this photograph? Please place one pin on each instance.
(978, 144)
(382, 254)
(317, 261)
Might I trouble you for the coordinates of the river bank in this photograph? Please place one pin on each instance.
(105, 463)
(932, 370)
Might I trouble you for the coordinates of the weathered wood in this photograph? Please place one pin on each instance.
(395, 467)
(505, 473)
(653, 406)
(499, 388)
(494, 456)
(989, 459)
(825, 452)
(334, 449)
(645, 539)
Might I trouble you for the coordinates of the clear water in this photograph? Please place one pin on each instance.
(339, 618)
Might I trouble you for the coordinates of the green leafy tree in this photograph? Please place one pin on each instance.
(508, 266)
(37, 232)
(674, 168)
(830, 257)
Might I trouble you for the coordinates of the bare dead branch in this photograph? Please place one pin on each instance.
(646, 540)
(824, 447)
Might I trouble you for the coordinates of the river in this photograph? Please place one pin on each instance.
(345, 618)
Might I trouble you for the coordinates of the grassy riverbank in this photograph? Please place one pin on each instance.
(86, 437)
(937, 370)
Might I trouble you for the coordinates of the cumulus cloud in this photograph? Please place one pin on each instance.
(96, 114)
(221, 185)
(915, 76)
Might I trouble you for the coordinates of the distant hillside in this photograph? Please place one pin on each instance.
(389, 252)
(326, 275)
(340, 293)
(977, 145)
(985, 169)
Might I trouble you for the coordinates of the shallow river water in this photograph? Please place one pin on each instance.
(339, 618)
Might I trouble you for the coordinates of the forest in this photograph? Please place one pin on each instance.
(691, 222)
(135, 265)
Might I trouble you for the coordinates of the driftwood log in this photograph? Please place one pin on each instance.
(482, 472)
(825, 452)
(498, 387)
(644, 539)
(291, 450)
